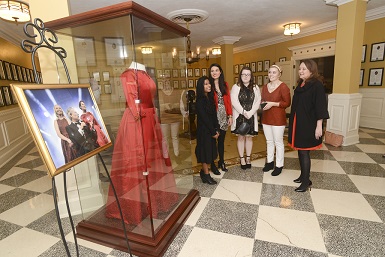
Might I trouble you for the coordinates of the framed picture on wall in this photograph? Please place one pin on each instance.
(159, 73)
(362, 72)
(2, 100)
(96, 75)
(240, 66)
(196, 72)
(378, 51)
(363, 54)
(183, 84)
(266, 65)
(32, 76)
(106, 76)
(14, 72)
(204, 71)
(7, 95)
(183, 73)
(176, 84)
(8, 72)
(167, 73)
(259, 66)
(253, 67)
(259, 80)
(189, 73)
(174, 73)
(19, 73)
(375, 76)
(190, 83)
(247, 64)
(85, 51)
(266, 79)
(236, 68)
(2, 70)
(235, 80)
(115, 52)
(282, 59)
(160, 85)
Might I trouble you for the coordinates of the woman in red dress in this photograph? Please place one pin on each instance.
(145, 185)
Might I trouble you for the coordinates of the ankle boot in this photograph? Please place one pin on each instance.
(268, 166)
(277, 171)
(304, 187)
(222, 166)
(214, 169)
(201, 174)
(208, 179)
(243, 166)
(248, 163)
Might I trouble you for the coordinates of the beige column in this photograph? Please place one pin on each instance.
(345, 102)
(227, 62)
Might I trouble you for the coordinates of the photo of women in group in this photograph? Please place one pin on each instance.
(68, 120)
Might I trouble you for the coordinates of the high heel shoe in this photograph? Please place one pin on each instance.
(243, 166)
(248, 164)
(214, 169)
(303, 188)
(277, 171)
(268, 166)
(222, 166)
(297, 180)
(206, 178)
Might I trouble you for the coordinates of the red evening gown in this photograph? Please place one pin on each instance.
(101, 137)
(137, 151)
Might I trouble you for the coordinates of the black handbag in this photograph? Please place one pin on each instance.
(244, 128)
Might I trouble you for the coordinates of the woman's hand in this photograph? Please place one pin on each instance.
(269, 105)
(318, 129)
(230, 121)
(247, 115)
(216, 135)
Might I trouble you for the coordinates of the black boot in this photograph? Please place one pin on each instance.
(304, 187)
(277, 171)
(206, 178)
(268, 166)
(243, 166)
(222, 166)
(214, 169)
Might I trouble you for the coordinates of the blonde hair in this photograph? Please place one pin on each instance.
(277, 67)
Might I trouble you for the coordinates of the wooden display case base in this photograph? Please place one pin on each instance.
(141, 245)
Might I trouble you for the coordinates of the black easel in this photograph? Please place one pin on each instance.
(44, 41)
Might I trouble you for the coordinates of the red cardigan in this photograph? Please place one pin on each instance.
(226, 100)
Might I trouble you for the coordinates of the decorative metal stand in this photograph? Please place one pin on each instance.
(45, 39)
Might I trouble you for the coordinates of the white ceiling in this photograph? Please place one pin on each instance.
(256, 22)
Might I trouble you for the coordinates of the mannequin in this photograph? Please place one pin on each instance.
(139, 171)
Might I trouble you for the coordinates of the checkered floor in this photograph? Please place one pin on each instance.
(249, 213)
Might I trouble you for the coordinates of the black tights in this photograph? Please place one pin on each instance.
(221, 144)
(304, 162)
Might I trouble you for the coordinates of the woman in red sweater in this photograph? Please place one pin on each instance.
(224, 111)
(275, 98)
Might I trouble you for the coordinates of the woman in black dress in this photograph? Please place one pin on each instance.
(207, 129)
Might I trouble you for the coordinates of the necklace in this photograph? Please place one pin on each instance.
(272, 86)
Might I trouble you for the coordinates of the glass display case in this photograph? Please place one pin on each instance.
(135, 61)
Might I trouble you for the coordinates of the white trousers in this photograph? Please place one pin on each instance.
(174, 128)
(274, 141)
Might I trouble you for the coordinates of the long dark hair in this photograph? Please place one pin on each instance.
(311, 65)
(221, 79)
(240, 82)
(209, 99)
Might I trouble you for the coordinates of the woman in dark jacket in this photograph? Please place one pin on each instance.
(207, 129)
(308, 111)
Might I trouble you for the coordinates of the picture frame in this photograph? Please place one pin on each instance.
(235, 80)
(182, 73)
(167, 73)
(85, 51)
(160, 85)
(204, 71)
(259, 80)
(375, 76)
(190, 83)
(259, 66)
(7, 95)
(19, 73)
(14, 72)
(241, 67)
(115, 52)
(266, 79)
(361, 82)
(106, 76)
(38, 100)
(254, 67)
(175, 73)
(2, 100)
(159, 73)
(183, 84)
(24, 71)
(8, 72)
(96, 75)
(189, 73)
(266, 65)
(282, 59)
(175, 84)
(107, 89)
(33, 80)
(196, 83)
(247, 64)
(197, 72)
(378, 51)
(29, 79)
(2, 70)
(236, 69)
(363, 54)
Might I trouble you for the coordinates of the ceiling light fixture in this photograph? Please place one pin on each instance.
(16, 11)
(146, 50)
(188, 16)
(291, 29)
(216, 51)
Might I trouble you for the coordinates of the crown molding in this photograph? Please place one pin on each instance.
(226, 40)
(373, 14)
(338, 2)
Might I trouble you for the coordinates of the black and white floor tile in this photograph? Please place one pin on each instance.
(248, 213)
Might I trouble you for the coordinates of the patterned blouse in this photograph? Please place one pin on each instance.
(221, 112)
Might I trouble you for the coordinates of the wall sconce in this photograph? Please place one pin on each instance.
(16, 11)
(146, 50)
(291, 29)
(207, 54)
(216, 51)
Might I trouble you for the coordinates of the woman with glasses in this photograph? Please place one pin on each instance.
(245, 98)
(224, 112)
(275, 99)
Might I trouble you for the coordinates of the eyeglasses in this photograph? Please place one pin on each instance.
(246, 75)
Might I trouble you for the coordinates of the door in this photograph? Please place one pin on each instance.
(288, 77)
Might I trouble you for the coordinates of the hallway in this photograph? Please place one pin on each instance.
(248, 213)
